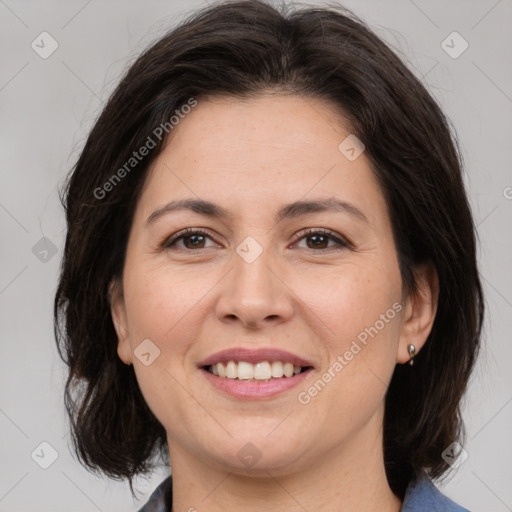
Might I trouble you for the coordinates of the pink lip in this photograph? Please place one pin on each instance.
(253, 389)
(251, 355)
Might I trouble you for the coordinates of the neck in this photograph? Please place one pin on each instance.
(349, 478)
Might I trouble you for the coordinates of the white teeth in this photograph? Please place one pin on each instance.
(231, 371)
(288, 369)
(262, 371)
(277, 369)
(245, 370)
(259, 371)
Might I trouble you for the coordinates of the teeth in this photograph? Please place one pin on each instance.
(277, 369)
(245, 370)
(259, 371)
(288, 369)
(262, 371)
(231, 371)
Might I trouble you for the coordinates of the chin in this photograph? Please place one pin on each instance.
(256, 453)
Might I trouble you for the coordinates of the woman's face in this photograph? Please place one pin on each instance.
(254, 281)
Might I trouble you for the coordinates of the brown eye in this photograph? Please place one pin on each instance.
(195, 241)
(191, 239)
(320, 239)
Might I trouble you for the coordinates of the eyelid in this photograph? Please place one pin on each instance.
(341, 241)
(184, 232)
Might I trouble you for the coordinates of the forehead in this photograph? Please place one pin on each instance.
(260, 153)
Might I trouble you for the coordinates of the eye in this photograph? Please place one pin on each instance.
(320, 239)
(191, 238)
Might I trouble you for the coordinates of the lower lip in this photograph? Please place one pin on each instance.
(255, 389)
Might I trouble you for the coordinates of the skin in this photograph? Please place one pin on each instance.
(252, 157)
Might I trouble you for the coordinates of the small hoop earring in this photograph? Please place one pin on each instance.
(412, 353)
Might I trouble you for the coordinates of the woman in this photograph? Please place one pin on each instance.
(269, 278)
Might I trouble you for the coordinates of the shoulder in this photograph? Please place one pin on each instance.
(161, 499)
(423, 496)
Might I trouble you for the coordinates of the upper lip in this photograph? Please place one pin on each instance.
(252, 355)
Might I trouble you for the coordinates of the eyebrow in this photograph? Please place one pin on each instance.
(292, 210)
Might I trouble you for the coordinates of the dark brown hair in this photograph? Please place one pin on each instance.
(242, 49)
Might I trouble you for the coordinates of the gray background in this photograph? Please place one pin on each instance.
(47, 107)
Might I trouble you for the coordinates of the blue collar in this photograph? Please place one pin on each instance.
(421, 495)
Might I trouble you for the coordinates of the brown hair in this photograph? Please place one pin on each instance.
(241, 49)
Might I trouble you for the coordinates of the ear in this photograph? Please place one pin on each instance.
(119, 318)
(419, 312)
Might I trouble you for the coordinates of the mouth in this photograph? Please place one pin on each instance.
(263, 371)
(254, 373)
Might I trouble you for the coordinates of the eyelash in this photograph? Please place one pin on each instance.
(341, 242)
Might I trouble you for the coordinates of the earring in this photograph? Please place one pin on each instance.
(412, 352)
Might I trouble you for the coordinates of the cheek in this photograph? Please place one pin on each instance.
(163, 306)
(357, 310)
(350, 298)
(161, 300)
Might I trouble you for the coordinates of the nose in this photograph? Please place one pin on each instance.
(254, 294)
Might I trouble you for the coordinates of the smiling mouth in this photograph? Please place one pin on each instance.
(263, 371)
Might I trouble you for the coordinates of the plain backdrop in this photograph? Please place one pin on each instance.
(47, 107)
